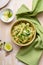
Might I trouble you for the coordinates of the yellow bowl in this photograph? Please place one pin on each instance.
(25, 21)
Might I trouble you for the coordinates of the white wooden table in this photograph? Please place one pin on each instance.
(10, 59)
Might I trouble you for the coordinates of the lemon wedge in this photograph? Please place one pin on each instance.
(8, 47)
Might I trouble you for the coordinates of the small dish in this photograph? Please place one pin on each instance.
(28, 32)
(7, 15)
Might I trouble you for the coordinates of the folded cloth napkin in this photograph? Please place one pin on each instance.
(30, 55)
(37, 7)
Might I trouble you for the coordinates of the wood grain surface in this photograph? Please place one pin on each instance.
(10, 58)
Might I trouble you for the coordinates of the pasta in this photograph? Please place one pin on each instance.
(23, 32)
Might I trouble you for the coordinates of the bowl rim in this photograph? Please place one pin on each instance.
(14, 40)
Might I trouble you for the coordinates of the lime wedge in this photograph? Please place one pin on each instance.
(8, 47)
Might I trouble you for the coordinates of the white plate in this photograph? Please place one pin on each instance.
(3, 3)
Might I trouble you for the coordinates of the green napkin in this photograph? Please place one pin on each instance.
(30, 55)
(37, 7)
(24, 9)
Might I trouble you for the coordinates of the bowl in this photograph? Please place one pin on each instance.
(25, 36)
(6, 15)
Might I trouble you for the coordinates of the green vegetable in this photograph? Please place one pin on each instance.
(10, 14)
(7, 14)
(26, 32)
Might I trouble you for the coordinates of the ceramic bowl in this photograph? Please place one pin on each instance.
(25, 21)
